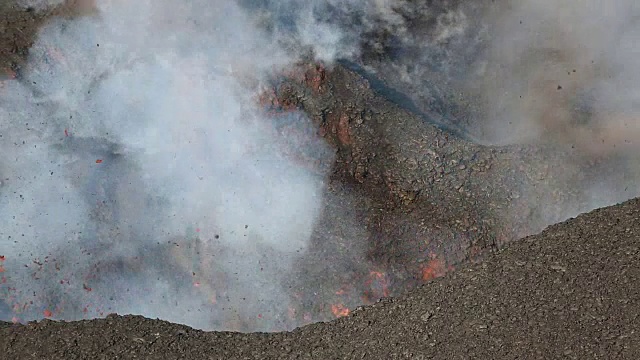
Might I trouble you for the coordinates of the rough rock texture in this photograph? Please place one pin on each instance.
(570, 292)
(18, 28)
(428, 200)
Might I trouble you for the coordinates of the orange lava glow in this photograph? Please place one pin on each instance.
(339, 310)
(433, 269)
(315, 78)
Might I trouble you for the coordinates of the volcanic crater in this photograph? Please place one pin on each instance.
(418, 218)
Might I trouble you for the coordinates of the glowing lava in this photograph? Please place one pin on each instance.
(433, 269)
(339, 310)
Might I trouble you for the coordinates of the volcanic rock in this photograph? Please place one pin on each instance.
(516, 304)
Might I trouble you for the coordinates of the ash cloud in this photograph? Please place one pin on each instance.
(564, 75)
(568, 74)
(535, 71)
(396, 30)
(141, 176)
(557, 75)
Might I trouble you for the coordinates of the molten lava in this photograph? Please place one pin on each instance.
(433, 269)
(339, 310)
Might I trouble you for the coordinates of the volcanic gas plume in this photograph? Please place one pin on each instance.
(501, 73)
(564, 74)
(145, 171)
(134, 153)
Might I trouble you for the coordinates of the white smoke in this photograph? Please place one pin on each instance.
(564, 75)
(40, 4)
(134, 152)
(559, 75)
(564, 65)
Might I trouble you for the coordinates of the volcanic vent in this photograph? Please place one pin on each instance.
(241, 166)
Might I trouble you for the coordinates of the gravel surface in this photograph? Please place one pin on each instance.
(570, 292)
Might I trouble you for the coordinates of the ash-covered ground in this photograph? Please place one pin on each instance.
(569, 292)
(257, 167)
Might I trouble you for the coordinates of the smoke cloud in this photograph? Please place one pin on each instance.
(564, 75)
(526, 72)
(135, 153)
(567, 74)
(559, 76)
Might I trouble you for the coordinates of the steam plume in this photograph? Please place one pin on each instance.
(565, 75)
(568, 74)
(137, 153)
